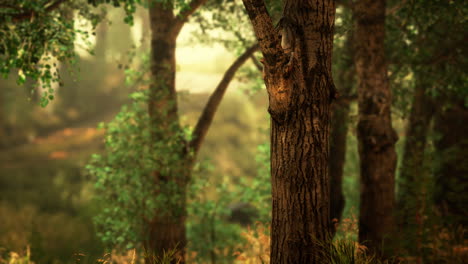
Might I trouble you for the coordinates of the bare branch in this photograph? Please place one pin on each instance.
(211, 106)
(265, 32)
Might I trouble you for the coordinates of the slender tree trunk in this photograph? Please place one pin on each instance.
(375, 133)
(167, 228)
(300, 88)
(339, 130)
(451, 176)
(411, 191)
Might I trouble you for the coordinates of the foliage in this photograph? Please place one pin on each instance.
(344, 251)
(226, 22)
(124, 183)
(130, 6)
(257, 248)
(36, 34)
(426, 40)
(210, 235)
(257, 191)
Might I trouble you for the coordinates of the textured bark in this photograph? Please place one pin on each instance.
(300, 89)
(376, 136)
(451, 177)
(411, 192)
(339, 130)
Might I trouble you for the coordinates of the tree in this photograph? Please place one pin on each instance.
(168, 155)
(376, 135)
(166, 227)
(168, 231)
(155, 162)
(297, 74)
(452, 170)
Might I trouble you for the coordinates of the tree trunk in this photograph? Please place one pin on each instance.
(300, 88)
(451, 176)
(167, 228)
(376, 136)
(339, 130)
(412, 175)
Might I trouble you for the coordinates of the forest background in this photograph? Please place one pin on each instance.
(49, 134)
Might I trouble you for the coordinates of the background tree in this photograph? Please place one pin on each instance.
(375, 132)
(432, 58)
(164, 225)
(297, 74)
(162, 103)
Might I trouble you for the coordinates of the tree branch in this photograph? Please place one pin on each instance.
(257, 63)
(264, 30)
(211, 106)
(182, 17)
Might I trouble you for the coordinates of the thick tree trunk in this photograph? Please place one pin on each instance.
(451, 176)
(300, 89)
(339, 130)
(411, 191)
(375, 133)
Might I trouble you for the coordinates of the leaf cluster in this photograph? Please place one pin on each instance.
(225, 22)
(33, 37)
(125, 185)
